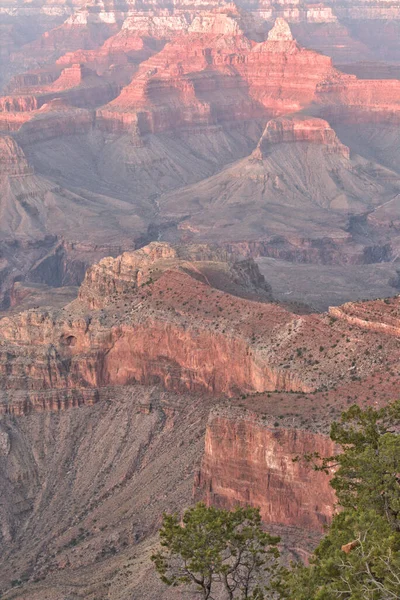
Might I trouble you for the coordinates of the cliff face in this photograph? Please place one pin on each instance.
(248, 462)
(148, 353)
(293, 130)
(183, 84)
(160, 316)
(149, 340)
(355, 101)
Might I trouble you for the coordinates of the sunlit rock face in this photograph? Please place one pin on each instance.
(286, 130)
(249, 462)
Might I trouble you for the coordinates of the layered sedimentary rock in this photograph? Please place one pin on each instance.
(299, 184)
(359, 101)
(183, 84)
(43, 223)
(209, 76)
(249, 461)
(84, 29)
(129, 439)
(380, 315)
(24, 81)
(293, 130)
(141, 35)
(33, 207)
(12, 159)
(76, 86)
(174, 316)
(191, 319)
(197, 104)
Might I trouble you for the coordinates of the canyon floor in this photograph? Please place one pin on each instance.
(199, 270)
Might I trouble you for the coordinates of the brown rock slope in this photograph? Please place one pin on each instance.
(37, 215)
(120, 465)
(191, 319)
(299, 184)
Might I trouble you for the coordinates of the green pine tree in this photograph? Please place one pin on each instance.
(217, 551)
(359, 558)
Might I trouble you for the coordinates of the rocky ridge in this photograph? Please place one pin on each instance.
(189, 319)
(156, 317)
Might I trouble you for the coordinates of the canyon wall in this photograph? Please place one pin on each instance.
(248, 461)
(154, 316)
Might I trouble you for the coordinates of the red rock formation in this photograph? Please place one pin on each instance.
(248, 461)
(122, 274)
(208, 76)
(84, 29)
(158, 317)
(18, 103)
(141, 34)
(347, 99)
(76, 85)
(24, 81)
(300, 129)
(379, 315)
(52, 120)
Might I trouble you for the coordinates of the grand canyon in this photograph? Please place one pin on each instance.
(199, 270)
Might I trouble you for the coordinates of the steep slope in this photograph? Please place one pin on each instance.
(300, 182)
(36, 214)
(186, 318)
(119, 465)
(247, 460)
(32, 206)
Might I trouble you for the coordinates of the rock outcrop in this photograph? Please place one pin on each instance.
(300, 129)
(161, 315)
(280, 32)
(380, 315)
(12, 159)
(249, 461)
(182, 85)
(295, 190)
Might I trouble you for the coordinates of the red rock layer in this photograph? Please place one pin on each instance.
(76, 85)
(24, 81)
(205, 77)
(83, 30)
(380, 315)
(52, 120)
(141, 35)
(248, 462)
(160, 319)
(359, 101)
(300, 129)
